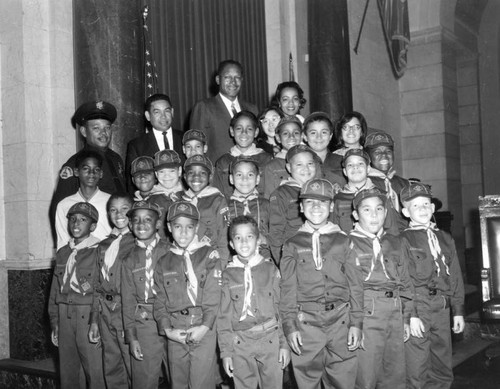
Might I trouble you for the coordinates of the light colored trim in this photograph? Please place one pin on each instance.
(27, 264)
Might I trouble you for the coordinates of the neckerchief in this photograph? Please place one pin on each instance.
(69, 271)
(378, 255)
(281, 154)
(354, 189)
(112, 252)
(149, 265)
(391, 193)
(252, 262)
(328, 228)
(138, 196)
(290, 181)
(344, 150)
(245, 199)
(192, 284)
(160, 189)
(433, 242)
(190, 196)
(252, 150)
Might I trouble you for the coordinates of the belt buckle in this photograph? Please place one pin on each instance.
(329, 307)
(432, 291)
(184, 312)
(109, 297)
(389, 294)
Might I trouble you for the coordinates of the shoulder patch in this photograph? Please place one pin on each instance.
(217, 273)
(224, 210)
(66, 172)
(272, 198)
(214, 254)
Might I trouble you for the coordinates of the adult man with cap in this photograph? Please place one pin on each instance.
(93, 120)
(159, 113)
(213, 115)
(380, 148)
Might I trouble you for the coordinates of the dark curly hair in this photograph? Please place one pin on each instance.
(346, 118)
(288, 84)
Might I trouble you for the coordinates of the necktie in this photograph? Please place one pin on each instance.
(165, 140)
(233, 109)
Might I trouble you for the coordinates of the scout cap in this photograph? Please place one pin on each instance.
(317, 188)
(318, 116)
(194, 134)
(94, 110)
(183, 208)
(357, 152)
(415, 189)
(166, 159)
(144, 205)
(199, 160)
(243, 158)
(85, 209)
(297, 149)
(286, 120)
(142, 165)
(378, 138)
(366, 194)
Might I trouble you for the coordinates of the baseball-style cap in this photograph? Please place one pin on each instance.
(297, 149)
(317, 188)
(85, 209)
(378, 138)
(194, 134)
(199, 160)
(166, 159)
(288, 119)
(94, 110)
(415, 189)
(144, 205)
(366, 194)
(182, 208)
(356, 152)
(243, 158)
(142, 164)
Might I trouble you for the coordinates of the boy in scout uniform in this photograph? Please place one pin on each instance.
(386, 286)
(106, 318)
(187, 282)
(209, 201)
(146, 346)
(437, 286)
(321, 295)
(143, 177)
(70, 301)
(253, 348)
(194, 142)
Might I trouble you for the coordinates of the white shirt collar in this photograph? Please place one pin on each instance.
(228, 103)
(159, 138)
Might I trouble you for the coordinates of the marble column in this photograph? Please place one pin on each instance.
(108, 62)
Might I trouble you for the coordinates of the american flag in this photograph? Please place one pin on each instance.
(291, 75)
(150, 74)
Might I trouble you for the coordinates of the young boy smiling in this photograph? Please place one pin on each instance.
(253, 348)
(138, 295)
(385, 281)
(321, 295)
(143, 177)
(437, 286)
(187, 282)
(194, 142)
(211, 204)
(243, 129)
(70, 301)
(285, 218)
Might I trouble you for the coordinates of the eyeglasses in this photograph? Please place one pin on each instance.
(347, 127)
(273, 119)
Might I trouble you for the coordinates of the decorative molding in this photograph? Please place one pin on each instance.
(27, 264)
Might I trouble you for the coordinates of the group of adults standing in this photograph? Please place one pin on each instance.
(94, 120)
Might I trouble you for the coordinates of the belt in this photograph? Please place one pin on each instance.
(189, 311)
(383, 293)
(424, 290)
(264, 326)
(109, 297)
(310, 306)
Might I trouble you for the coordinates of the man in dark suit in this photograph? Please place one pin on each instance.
(214, 114)
(159, 113)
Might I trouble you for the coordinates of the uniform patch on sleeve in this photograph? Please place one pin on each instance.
(217, 273)
(272, 198)
(224, 210)
(66, 172)
(214, 254)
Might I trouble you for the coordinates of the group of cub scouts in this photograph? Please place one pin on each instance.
(327, 259)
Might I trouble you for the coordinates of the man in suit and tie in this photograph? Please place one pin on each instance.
(213, 115)
(159, 113)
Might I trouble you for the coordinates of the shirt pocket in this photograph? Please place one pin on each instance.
(421, 263)
(173, 287)
(59, 273)
(237, 295)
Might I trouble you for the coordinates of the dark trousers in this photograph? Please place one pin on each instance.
(76, 353)
(325, 357)
(428, 359)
